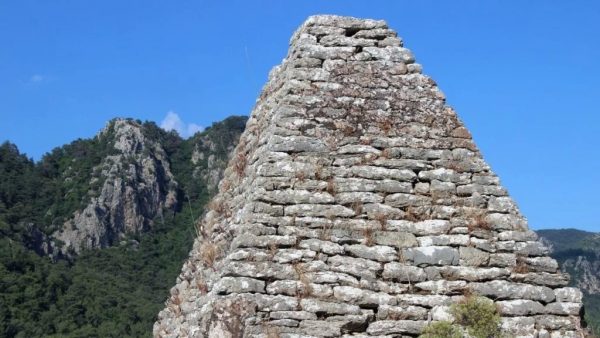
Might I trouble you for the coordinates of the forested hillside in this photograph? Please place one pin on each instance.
(578, 253)
(110, 292)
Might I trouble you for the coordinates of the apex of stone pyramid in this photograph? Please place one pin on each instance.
(357, 204)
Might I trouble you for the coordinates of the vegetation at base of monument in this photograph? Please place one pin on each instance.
(114, 292)
(441, 329)
(477, 315)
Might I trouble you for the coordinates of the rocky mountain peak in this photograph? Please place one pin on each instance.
(135, 184)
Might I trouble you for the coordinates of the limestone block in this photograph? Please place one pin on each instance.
(518, 326)
(442, 286)
(294, 197)
(405, 312)
(275, 303)
(259, 270)
(473, 257)
(378, 253)
(321, 246)
(383, 327)
(317, 306)
(358, 267)
(503, 259)
(473, 274)
(403, 273)
(520, 307)
(318, 210)
(500, 289)
(297, 315)
(563, 308)
(395, 238)
(432, 255)
(423, 228)
(239, 285)
(362, 297)
(568, 294)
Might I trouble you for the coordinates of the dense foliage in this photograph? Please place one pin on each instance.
(476, 315)
(441, 329)
(114, 292)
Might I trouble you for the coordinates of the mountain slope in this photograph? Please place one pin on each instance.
(134, 183)
(578, 253)
(116, 291)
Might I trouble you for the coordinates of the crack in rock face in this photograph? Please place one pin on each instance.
(357, 205)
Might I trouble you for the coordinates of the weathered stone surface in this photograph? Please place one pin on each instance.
(520, 307)
(395, 238)
(360, 184)
(383, 327)
(442, 286)
(473, 256)
(444, 240)
(322, 246)
(358, 267)
(403, 273)
(361, 297)
(473, 274)
(572, 295)
(424, 300)
(563, 308)
(542, 278)
(432, 255)
(317, 306)
(376, 253)
(519, 326)
(499, 289)
(298, 315)
(551, 322)
(239, 285)
(357, 205)
(423, 228)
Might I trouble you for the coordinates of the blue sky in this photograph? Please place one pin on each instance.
(523, 75)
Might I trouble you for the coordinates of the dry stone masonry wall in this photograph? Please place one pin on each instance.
(357, 205)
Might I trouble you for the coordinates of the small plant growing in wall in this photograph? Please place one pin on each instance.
(475, 315)
(478, 315)
(521, 266)
(331, 189)
(239, 165)
(368, 234)
(442, 329)
(478, 222)
(209, 253)
(382, 219)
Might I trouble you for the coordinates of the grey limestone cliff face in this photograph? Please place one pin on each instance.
(136, 184)
(357, 205)
(212, 150)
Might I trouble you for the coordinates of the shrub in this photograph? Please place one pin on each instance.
(478, 222)
(441, 330)
(368, 234)
(479, 316)
(209, 253)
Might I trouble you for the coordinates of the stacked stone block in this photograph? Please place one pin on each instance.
(357, 205)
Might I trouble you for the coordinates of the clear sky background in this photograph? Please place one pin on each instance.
(523, 75)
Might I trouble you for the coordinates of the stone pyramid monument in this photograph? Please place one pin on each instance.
(357, 205)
